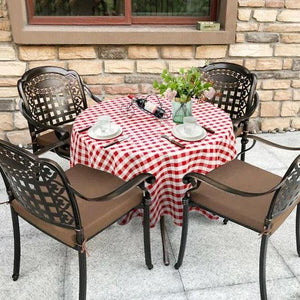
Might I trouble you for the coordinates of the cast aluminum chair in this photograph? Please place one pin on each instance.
(51, 98)
(249, 196)
(71, 206)
(235, 93)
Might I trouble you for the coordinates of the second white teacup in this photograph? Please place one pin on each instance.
(189, 125)
(104, 123)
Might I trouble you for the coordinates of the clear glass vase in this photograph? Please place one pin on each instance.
(181, 110)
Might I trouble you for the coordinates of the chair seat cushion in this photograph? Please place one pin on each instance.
(95, 216)
(247, 211)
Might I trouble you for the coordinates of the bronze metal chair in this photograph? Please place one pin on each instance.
(235, 93)
(71, 206)
(249, 196)
(51, 98)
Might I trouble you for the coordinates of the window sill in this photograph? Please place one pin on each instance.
(178, 35)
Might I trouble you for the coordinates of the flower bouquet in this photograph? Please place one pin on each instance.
(181, 89)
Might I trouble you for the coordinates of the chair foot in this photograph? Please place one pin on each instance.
(225, 221)
(15, 277)
(150, 267)
(177, 266)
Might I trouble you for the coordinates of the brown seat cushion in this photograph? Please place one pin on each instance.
(248, 211)
(95, 216)
(50, 138)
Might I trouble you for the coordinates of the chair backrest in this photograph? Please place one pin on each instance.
(39, 185)
(289, 193)
(235, 87)
(52, 95)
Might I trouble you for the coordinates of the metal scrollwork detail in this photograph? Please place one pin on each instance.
(38, 188)
(50, 95)
(232, 90)
(289, 192)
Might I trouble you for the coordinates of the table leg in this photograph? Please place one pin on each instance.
(163, 240)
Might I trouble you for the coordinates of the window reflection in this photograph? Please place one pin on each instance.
(79, 7)
(171, 7)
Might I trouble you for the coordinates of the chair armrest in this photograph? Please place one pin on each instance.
(190, 178)
(61, 133)
(123, 189)
(256, 138)
(95, 98)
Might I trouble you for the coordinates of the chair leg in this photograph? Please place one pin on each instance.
(17, 244)
(184, 232)
(262, 267)
(298, 229)
(82, 275)
(244, 139)
(146, 228)
(225, 221)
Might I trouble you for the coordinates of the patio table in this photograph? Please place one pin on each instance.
(146, 151)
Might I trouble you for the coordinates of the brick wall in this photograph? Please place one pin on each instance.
(267, 42)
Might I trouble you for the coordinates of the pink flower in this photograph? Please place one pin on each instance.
(169, 94)
(209, 93)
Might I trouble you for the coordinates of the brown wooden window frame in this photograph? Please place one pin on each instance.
(28, 34)
(117, 20)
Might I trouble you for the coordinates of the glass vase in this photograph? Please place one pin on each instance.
(181, 110)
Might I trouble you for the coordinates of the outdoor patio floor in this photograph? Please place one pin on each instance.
(221, 262)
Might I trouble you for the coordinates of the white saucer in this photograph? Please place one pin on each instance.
(95, 132)
(198, 134)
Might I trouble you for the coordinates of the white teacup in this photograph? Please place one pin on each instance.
(104, 123)
(189, 125)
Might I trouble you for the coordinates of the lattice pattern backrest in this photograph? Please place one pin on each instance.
(290, 191)
(53, 98)
(38, 187)
(232, 90)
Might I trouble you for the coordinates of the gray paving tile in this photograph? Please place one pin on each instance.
(218, 255)
(284, 241)
(162, 296)
(116, 268)
(41, 272)
(262, 157)
(283, 289)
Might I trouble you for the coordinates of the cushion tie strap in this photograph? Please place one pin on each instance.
(6, 202)
(83, 247)
(266, 231)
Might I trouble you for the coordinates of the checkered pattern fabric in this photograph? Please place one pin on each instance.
(146, 151)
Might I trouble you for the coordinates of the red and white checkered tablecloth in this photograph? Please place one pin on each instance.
(145, 151)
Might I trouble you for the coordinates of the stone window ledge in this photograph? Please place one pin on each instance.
(147, 35)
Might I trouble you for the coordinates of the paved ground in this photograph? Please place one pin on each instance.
(221, 262)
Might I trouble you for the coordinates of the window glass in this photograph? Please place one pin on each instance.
(118, 12)
(171, 8)
(78, 7)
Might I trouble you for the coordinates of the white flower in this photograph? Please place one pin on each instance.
(169, 94)
(209, 93)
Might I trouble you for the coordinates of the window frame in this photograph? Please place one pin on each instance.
(128, 19)
(27, 34)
